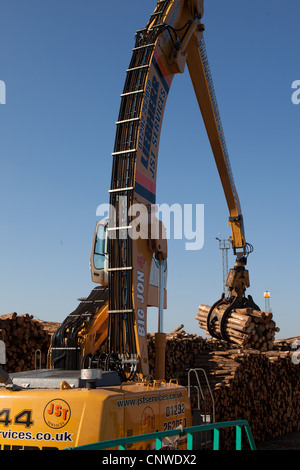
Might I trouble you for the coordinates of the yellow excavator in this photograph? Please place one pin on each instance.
(97, 386)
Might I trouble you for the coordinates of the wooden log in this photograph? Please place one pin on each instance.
(22, 335)
(235, 390)
(180, 327)
(246, 327)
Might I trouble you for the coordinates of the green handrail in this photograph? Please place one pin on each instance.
(122, 442)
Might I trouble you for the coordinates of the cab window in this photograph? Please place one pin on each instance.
(99, 251)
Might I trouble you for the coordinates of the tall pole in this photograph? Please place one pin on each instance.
(267, 297)
(160, 336)
(224, 245)
(161, 298)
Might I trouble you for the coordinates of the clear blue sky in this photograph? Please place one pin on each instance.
(64, 63)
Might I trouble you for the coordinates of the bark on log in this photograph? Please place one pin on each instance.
(261, 387)
(26, 340)
(245, 327)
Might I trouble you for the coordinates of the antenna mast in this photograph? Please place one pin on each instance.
(224, 245)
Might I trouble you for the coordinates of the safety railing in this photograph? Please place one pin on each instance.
(189, 432)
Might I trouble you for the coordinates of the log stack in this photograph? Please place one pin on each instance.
(246, 327)
(262, 387)
(181, 350)
(26, 341)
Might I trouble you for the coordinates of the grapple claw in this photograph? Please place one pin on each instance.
(216, 317)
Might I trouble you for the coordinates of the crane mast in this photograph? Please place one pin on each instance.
(172, 39)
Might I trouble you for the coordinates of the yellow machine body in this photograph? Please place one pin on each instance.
(50, 419)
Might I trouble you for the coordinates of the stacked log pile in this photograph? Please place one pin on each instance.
(261, 387)
(248, 328)
(26, 342)
(181, 350)
(287, 344)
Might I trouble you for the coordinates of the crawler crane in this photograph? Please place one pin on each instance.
(97, 386)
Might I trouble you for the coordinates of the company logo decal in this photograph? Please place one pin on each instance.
(148, 420)
(57, 413)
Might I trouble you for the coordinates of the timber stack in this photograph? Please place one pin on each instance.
(181, 350)
(262, 387)
(26, 342)
(246, 327)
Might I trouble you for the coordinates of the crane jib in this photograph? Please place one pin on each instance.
(155, 60)
(172, 37)
(139, 123)
(157, 90)
(210, 84)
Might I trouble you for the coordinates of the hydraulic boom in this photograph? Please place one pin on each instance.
(172, 39)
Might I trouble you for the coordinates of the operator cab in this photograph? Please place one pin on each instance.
(99, 255)
(99, 264)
